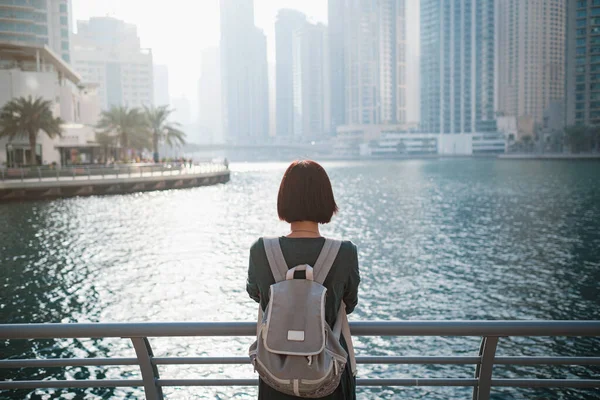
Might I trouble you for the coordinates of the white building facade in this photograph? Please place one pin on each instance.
(244, 76)
(531, 56)
(311, 83)
(375, 70)
(107, 52)
(37, 71)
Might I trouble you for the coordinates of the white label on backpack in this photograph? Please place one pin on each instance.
(296, 336)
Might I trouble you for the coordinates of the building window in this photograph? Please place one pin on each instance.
(66, 58)
(581, 14)
(579, 106)
(579, 115)
(580, 22)
(64, 21)
(581, 3)
(580, 50)
(64, 45)
(62, 8)
(64, 33)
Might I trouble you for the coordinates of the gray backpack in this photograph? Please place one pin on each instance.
(296, 352)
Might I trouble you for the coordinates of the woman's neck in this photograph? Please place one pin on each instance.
(304, 229)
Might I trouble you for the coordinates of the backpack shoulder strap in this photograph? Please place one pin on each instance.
(275, 257)
(326, 258)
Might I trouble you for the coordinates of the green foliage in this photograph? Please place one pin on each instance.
(582, 138)
(28, 116)
(161, 130)
(129, 125)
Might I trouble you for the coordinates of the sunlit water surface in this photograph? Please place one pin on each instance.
(437, 239)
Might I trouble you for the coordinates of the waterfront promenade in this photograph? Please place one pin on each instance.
(37, 184)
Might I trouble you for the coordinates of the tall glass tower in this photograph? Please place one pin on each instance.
(457, 66)
(37, 22)
(582, 97)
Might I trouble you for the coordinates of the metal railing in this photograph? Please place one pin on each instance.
(152, 382)
(103, 172)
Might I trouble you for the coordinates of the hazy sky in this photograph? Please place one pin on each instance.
(176, 30)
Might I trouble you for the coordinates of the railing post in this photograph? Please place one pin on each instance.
(483, 373)
(22, 174)
(143, 350)
(39, 174)
(57, 174)
(73, 169)
(89, 174)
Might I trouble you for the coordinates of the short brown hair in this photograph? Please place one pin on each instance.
(305, 194)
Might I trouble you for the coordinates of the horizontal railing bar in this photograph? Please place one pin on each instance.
(200, 360)
(523, 383)
(80, 362)
(359, 382)
(359, 360)
(66, 362)
(547, 361)
(58, 384)
(417, 360)
(547, 383)
(364, 328)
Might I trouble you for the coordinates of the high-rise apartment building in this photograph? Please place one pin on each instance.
(209, 94)
(288, 21)
(337, 64)
(161, 85)
(311, 85)
(457, 66)
(375, 62)
(244, 80)
(38, 22)
(530, 56)
(107, 51)
(582, 96)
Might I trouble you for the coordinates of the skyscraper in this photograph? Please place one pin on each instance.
(288, 21)
(209, 94)
(374, 57)
(337, 65)
(582, 97)
(311, 86)
(531, 56)
(43, 22)
(243, 73)
(161, 85)
(457, 66)
(107, 51)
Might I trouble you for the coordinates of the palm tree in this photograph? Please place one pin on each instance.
(161, 129)
(128, 124)
(106, 141)
(28, 116)
(579, 138)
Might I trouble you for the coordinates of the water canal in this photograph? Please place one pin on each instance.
(437, 239)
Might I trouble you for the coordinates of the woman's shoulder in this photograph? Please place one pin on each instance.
(257, 246)
(348, 247)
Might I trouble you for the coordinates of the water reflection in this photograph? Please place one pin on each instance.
(447, 239)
